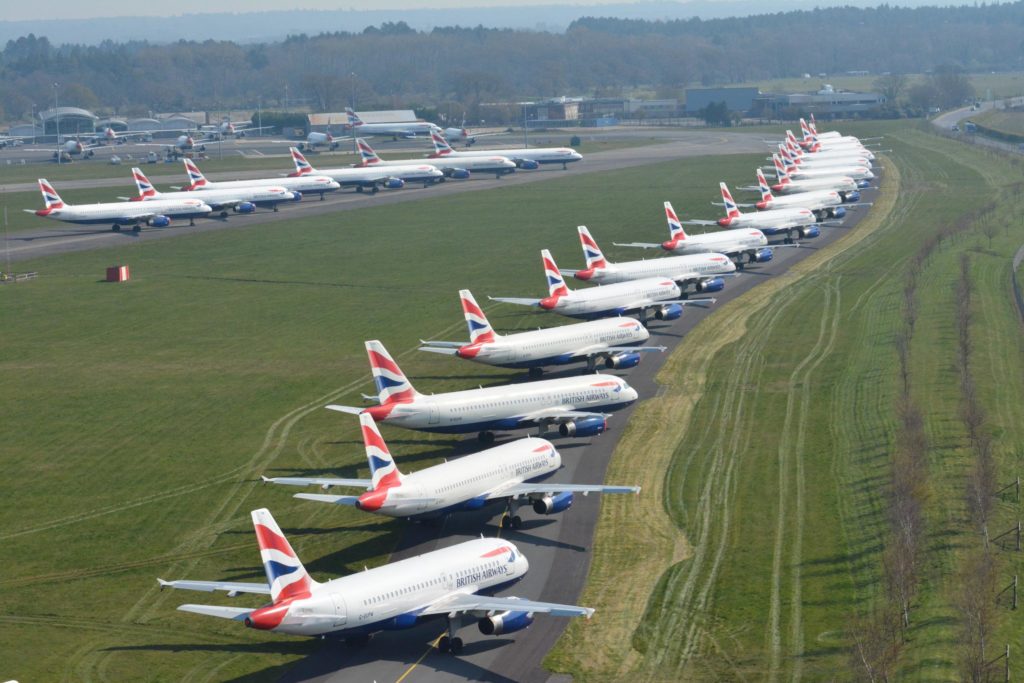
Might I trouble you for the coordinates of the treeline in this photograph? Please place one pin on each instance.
(454, 69)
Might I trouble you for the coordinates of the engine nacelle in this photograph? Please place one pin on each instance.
(527, 164)
(838, 212)
(851, 197)
(587, 426)
(669, 312)
(810, 232)
(713, 284)
(394, 183)
(458, 173)
(762, 256)
(474, 503)
(400, 621)
(159, 221)
(863, 184)
(245, 207)
(549, 506)
(621, 361)
(505, 622)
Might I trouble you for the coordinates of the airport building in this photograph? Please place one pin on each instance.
(826, 103)
(72, 120)
(736, 99)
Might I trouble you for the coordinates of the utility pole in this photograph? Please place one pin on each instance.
(56, 115)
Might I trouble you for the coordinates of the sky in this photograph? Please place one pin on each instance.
(19, 10)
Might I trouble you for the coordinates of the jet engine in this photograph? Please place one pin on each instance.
(549, 506)
(587, 426)
(505, 622)
(245, 207)
(458, 173)
(712, 284)
(851, 197)
(621, 361)
(761, 256)
(159, 221)
(838, 212)
(668, 312)
(527, 164)
(394, 183)
(809, 232)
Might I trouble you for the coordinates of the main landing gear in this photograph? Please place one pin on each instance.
(451, 642)
(510, 520)
(485, 437)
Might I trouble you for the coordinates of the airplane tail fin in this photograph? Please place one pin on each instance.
(196, 179)
(731, 210)
(383, 470)
(766, 190)
(367, 155)
(780, 169)
(287, 577)
(591, 252)
(392, 384)
(813, 124)
(556, 284)
(51, 199)
(480, 329)
(675, 226)
(805, 131)
(145, 187)
(302, 167)
(441, 145)
(353, 118)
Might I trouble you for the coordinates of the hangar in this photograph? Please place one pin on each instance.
(71, 120)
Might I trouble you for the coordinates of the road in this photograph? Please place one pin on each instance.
(55, 238)
(557, 547)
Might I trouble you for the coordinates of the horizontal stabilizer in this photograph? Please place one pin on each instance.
(439, 349)
(210, 586)
(325, 498)
(515, 300)
(640, 245)
(318, 481)
(445, 344)
(345, 409)
(233, 613)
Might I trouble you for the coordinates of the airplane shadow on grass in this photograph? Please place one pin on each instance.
(75, 233)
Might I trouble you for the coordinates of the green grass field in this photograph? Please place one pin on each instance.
(1003, 121)
(138, 417)
(777, 479)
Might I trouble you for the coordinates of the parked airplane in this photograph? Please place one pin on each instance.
(858, 173)
(157, 213)
(741, 245)
(569, 402)
(609, 340)
(795, 222)
(461, 134)
(701, 271)
(451, 582)
(312, 184)
(846, 186)
(510, 474)
(792, 155)
(229, 128)
(836, 147)
(398, 129)
(239, 199)
(659, 295)
(824, 203)
(370, 179)
(527, 159)
(451, 168)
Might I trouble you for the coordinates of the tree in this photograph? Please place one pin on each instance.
(715, 114)
(892, 86)
(951, 86)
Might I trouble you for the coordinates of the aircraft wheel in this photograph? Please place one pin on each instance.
(223, 214)
(536, 373)
(740, 265)
(115, 227)
(137, 229)
(506, 522)
(375, 190)
(517, 522)
(788, 240)
(359, 189)
(445, 644)
(485, 437)
(456, 645)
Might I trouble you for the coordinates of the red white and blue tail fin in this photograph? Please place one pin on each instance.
(591, 252)
(383, 471)
(480, 329)
(556, 284)
(675, 226)
(392, 384)
(731, 210)
(146, 189)
(764, 187)
(813, 125)
(441, 146)
(51, 199)
(302, 167)
(367, 156)
(805, 130)
(287, 577)
(196, 179)
(353, 118)
(780, 170)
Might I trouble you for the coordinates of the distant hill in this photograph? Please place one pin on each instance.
(256, 27)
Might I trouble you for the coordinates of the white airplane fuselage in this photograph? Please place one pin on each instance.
(556, 345)
(773, 219)
(614, 299)
(504, 407)
(484, 164)
(815, 200)
(541, 155)
(825, 171)
(723, 241)
(218, 198)
(360, 175)
(837, 182)
(122, 213)
(696, 266)
(396, 130)
(387, 597)
(313, 183)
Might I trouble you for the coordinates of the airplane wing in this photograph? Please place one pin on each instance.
(559, 414)
(318, 481)
(325, 498)
(628, 349)
(681, 302)
(515, 300)
(470, 602)
(640, 245)
(233, 613)
(232, 587)
(551, 488)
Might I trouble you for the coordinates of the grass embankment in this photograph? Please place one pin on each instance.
(138, 417)
(785, 405)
